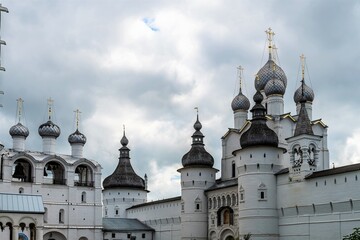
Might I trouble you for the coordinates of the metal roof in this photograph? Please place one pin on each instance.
(21, 203)
(223, 184)
(124, 225)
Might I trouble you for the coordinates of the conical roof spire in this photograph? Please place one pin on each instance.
(124, 175)
(197, 156)
(258, 133)
(303, 124)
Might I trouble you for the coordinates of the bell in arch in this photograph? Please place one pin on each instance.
(19, 172)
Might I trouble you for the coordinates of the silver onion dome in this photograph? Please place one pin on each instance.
(19, 130)
(274, 87)
(77, 137)
(49, 129)
(269, 71)
(240, 102)
(308, 93)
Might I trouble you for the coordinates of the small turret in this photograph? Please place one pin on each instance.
(19, 132)
(304, 92)
(240, 105)
(77, 140)
(49, 132)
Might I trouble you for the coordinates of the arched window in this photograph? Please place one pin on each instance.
(198, 204)
(262, 192)
(83, 197)
(116, 210)
(233, 200)
(106, 211)
(225, 216)
(312, 157)
(223, 201)
(210, 203)
(32, 231)
(214, 200)
(54, 173)
(45, 215)
(242, 194)
(22, 171)
(83, 176)
(233, 167)
(228, 200)
(61, 216)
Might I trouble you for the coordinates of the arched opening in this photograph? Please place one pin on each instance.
(46, 215)
(83, 197)
(61, 216)
(225, 215)
(32, 231)
(22, 171)
(83, 238)
(233, 169)
(6, 230)
(54, 236)
(54, 173)
(83, 176)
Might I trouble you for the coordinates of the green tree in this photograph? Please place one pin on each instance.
(354, 235)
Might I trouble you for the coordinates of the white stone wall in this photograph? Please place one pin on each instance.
(80, 216)
(319, 208)
(163, 216)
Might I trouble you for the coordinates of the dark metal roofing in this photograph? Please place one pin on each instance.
(333, 171)
(124, 175)
(21, 203)
(49, 129)
(197, 155)
(77, 137)
(124, 225)
(259, 133)
(282, 171)
(219, 184)
(240, 102)
(269, 71)
(303, 124)
(156, 202)
(19, 130)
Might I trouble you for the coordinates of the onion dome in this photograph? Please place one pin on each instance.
(240, 102)
(124, 175)
(19, 130)
(77, 137)
(308, 93)
(258, 133)
(49, 129)
(268, 72)
(197, 156)
(275, 87)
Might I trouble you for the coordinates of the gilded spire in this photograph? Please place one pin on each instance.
(240, 75)
(50, 103)
(19, 111)
(77, 117)
(270, 37)
(302, 59)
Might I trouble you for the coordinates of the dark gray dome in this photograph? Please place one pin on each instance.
(77, 137)
(259, 133)
(275, 87)
(124, 175)
(240, 102)
(19, 130)
(49, 129)
(308, 93)
(269, 71)
(197, 156)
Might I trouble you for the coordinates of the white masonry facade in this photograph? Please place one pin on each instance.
(275, 181)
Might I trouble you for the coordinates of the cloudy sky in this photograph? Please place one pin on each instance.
(147, 64)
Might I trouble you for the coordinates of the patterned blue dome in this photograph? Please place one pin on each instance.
(19, 130)
(49, 129)
(308, 93)
(275, 87)
(240, 102)
(269, 71)
(77, 137)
